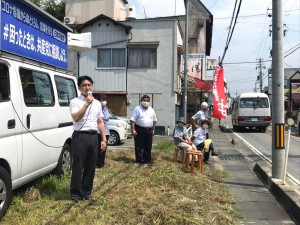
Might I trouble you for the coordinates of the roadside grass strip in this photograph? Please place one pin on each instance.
(129, 193)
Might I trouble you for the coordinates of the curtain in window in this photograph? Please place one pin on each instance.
(142, 58)
(118, 57)
(104, 57)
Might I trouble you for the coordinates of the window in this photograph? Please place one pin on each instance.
(66, 90)
(111, 57)
(254, 103)
(4, 83)
(37, 88)
(142, 58)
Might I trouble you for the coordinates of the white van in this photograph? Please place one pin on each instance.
(35, 91)
(35, 125)
(251, 110)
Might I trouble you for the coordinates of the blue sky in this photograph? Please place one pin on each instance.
(250, 41)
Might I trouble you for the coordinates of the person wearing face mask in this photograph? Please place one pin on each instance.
(201, 142)
(201, 115)
(87, 116)
(143, 120)
(102, 152)
(180, 136)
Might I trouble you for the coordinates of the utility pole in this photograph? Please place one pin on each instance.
(260, 75)
(260, 78)
(186, 48)
(278, 132)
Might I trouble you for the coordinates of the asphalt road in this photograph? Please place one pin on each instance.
(263, 143)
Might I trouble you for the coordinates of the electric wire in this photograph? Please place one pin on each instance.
(232, 30)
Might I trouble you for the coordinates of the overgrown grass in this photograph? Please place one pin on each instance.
(128, 193)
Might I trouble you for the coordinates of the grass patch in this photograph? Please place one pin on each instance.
(128, 193)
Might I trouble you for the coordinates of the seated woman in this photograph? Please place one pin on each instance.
(180, 136)
(200, 141)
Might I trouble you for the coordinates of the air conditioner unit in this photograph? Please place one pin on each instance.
(69, 20)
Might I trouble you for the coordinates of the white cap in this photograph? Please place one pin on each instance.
(204, 105)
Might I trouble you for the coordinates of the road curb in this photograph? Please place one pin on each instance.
(285, 195)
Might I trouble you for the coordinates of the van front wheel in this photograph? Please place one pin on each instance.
(5, 191)
(64, 164)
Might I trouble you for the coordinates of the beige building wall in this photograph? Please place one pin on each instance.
(84, 10)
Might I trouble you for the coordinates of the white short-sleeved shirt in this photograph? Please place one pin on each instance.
(143, 117)
(200, 136)
(200, 115)
(89, 120)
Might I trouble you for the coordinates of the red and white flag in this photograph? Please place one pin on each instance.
(220, 101)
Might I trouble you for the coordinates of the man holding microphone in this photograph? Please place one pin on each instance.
(87, 117)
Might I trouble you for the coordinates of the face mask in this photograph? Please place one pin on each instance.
(104, 103)
(180, 124)
(205, 126)
(145, 104)
(85, 92)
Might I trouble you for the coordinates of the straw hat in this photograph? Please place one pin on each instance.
(210, 124)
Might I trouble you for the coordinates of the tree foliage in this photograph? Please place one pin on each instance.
(53, 7)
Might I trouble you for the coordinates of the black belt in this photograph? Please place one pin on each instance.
(146, 128)
(91, 132)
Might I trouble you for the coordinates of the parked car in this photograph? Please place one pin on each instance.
(117, 129)
(114, 114)
(298, 122)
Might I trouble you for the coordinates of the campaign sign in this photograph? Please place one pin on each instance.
(29, 33)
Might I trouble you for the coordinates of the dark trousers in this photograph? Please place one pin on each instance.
(84, 153)
(143, 144)
(206, 154)
(101, 155)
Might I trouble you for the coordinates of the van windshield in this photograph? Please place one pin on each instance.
(254, 103)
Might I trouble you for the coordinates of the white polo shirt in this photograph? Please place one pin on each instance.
(200, 115)
(143, 117)
(93, 112)
(200, 136)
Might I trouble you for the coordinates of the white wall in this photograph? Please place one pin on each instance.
(159, 82)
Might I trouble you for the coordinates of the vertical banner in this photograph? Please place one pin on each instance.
(220, 101)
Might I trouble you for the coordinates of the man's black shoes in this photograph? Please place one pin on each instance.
(214, 153)
(90, 199)
(84, 198)
(76, 199)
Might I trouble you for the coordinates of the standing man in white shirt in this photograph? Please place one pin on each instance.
(87, 117)
(201, 115)
(143, 120)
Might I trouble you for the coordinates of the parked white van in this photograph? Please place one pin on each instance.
(251, 110)
(35, 125)
(35, 91)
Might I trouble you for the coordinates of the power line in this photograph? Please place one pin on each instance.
(231, 31)
(291, 52)
(246, 62)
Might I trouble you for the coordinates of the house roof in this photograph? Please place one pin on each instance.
(102, 17)
(293, 73)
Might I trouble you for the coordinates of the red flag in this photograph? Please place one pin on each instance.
(220, 101)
